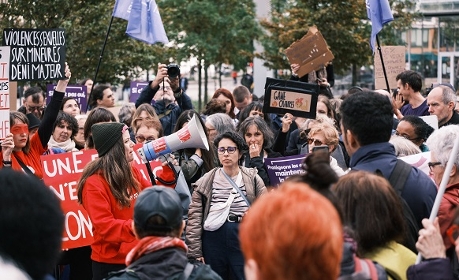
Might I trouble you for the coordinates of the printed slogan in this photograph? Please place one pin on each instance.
(36, 54)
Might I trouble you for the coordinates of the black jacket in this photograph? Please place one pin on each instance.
(257, 162)
(168, 263)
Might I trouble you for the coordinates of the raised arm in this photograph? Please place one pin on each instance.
(46, 126)
(149, 91)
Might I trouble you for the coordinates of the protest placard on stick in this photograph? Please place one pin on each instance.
(310, 52)
(394, 62)
(297, 98)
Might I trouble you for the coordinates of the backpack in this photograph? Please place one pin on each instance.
(196, 271)
(398, 179)
(365, 269)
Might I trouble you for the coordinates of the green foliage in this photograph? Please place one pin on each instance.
(215, 30)
(86, 24)
(343, 24)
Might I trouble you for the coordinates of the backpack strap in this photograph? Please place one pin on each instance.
(187, 271)
(372, 268)
(366, 267)
(399, 175)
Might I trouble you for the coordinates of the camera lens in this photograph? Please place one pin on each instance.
(173, 70)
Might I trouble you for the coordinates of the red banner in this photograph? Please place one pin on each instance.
(61, 173)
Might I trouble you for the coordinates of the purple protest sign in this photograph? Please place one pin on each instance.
(136, 88)
(78, 92)
(280, 168)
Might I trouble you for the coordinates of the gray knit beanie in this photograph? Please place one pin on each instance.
(105, 135)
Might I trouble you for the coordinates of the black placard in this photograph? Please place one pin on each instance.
(285, 96)
(36, 54)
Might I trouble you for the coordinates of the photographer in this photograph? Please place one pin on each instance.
(166, 96)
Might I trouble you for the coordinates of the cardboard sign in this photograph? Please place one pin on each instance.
(136, 88)
(77, 92)
(297, 98)
(279, 169)
(310, 52)
(4, 92)
(36, 54)
(394, 62)
(61, 172)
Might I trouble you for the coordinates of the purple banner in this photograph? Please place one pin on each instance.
(136, 88)
(280, 168)
(78, 92)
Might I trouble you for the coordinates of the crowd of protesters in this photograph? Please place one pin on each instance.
(357, 211)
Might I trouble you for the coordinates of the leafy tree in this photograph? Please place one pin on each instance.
(214, 31)
(343, 24)
(86, 24)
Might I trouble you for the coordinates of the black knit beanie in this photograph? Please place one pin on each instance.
(105, 136)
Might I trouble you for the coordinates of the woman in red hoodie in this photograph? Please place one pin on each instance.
(108, 189)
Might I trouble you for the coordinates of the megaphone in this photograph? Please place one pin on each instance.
(190, 136)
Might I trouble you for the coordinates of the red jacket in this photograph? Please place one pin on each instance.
(446, 211)
(111, 223)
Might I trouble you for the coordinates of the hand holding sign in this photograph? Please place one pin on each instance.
(7, 147)
(62, 84)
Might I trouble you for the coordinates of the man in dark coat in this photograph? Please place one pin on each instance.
(366, 127)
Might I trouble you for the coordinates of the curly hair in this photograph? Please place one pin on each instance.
(66, 118)
(235, 137)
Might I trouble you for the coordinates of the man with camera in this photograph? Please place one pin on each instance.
(166, 96)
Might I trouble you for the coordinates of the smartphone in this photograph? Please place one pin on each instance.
(317, 148)
(394, 92)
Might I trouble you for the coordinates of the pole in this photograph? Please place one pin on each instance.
(442, 187)
(100, 62)
(382, 64)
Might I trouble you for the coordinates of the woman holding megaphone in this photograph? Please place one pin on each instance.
(195, 162)
(108, 189)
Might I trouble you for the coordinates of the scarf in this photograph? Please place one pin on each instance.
(68, 146)
(150, 244)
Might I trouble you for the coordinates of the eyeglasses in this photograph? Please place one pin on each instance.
(315, 141)
(230, 150)
(453, 233)
(36, 108)
(432, 164)
(140, 138)
(406, 136)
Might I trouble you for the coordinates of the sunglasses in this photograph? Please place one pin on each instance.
(315, 141)
(140, 138)
(230, 150)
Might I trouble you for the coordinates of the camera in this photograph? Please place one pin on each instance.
(173, 70)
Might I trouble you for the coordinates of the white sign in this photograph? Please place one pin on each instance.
(4, 92)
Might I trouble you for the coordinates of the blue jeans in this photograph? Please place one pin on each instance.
(221, 250)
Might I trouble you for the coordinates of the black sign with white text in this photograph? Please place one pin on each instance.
(36, 54)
